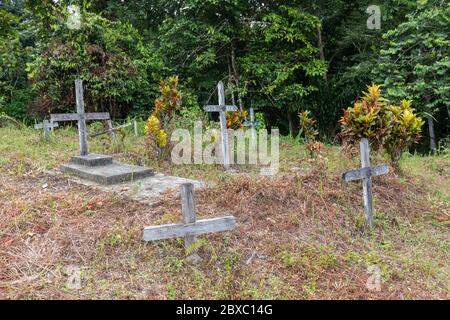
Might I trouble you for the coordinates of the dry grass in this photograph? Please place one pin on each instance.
(299, 236)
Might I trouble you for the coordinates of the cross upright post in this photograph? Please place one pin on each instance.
(81, 117)
(252, 118)
(222, 109)
(252, 124)
(189, 215)
(367, 182)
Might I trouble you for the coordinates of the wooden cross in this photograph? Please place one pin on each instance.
(222, 108)
(46, 125)
(366, 173)
(252, 123)
(190, 228)
(81, 117)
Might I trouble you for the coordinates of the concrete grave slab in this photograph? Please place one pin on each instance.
(147, 190)
(113, 173)
(93, 160)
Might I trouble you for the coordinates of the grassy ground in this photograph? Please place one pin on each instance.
(300, 234)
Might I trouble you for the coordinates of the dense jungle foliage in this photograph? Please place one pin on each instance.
(279, 57)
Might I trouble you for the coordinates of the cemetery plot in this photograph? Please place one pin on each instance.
(97, 168)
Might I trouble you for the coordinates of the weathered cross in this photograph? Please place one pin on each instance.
(366, 173)
(190, 228)
(222, 109)
(81, 117)
(252, 123)
(46, 125)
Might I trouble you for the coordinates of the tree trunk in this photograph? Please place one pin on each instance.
(320, 45)
(236, 76)
(431, 133)
(292, 127)
(230, 82)
(430, 124)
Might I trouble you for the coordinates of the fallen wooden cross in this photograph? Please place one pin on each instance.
(366, 173)
(110, 130)
(81, 117)
(222, 109)
(190, 228)
(46, 125)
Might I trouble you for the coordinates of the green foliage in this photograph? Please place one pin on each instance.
(406, 129)
(308, 129)
(261, 122)
(275, 57)
(282, 66)
(6, 121)
(366, 119)
(15, 93)
(111, 57)
(414, 62)
(415, 58)
(308, 126)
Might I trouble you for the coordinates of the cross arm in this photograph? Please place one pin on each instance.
(363, 173)
(49, 125)
(61, 117)
(98, 116)
(211, 108)
(197, 228)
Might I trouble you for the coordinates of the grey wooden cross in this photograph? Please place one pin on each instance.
(190, 228)
(366, 173)
(81, 117)
(252, 123)
(46, 125)
(222, 108)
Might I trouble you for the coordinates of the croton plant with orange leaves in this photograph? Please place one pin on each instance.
(391, 127)
(159, 125)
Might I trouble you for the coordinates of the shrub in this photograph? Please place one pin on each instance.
(394, 128)
(6, 121)
(236, 119)
(365, 120)
(308, 129)
(308, 126)
(160, 124)
(406, 129)
(113, 59)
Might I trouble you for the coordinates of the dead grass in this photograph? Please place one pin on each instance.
(300, 235)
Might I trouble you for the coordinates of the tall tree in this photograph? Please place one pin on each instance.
(415, 62)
